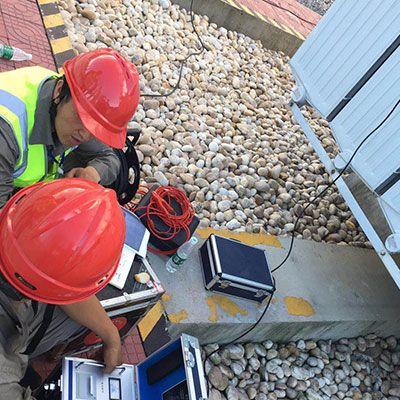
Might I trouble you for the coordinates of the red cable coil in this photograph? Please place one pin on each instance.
(160, 206)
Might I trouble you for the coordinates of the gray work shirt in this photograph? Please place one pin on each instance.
(18, 321)
(92, 153)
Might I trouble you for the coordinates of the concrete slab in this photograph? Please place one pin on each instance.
(323, 292)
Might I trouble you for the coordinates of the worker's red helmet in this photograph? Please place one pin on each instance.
(60, 242)
(105, 90)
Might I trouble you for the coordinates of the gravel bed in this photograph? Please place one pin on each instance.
(365, 368)
(227, 137)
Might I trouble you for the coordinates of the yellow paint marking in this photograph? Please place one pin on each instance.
(61, 70)
(226, 304)
(166, 297)
(245, 237)
(271, 21)
(298, 306)
(293, 32)
(178, 317)
(287, 29)
(246, 9)
(261, 16)
(148, 322)
(61, 45)
(232, 3)
(50, 21)
(46, 1)
(298, 34)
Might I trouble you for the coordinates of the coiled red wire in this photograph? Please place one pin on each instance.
(160, 206)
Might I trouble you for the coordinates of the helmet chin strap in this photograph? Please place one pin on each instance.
(10, 291)
(53, 113)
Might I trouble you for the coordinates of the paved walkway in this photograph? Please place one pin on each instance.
(288, 13)
(21, 26)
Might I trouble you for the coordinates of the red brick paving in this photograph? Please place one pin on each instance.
(132, 353)
(21, 26)
(287, 12)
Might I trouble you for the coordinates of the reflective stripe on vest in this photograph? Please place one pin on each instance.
(17, 107)
(18, 99)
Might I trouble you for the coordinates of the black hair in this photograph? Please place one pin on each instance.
(63, 97)
(65, 94)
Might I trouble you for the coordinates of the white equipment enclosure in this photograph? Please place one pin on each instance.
(349, 70)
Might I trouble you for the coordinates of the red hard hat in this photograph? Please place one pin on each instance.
(105, 90)
(60, 242)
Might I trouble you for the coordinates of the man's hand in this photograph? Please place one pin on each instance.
(112, 354)
(88, 173)
(91, 314)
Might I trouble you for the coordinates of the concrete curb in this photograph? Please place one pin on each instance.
(324, 291)
(237, 17)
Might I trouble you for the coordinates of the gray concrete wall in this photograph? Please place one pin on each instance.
(341, 291)
(271, 36)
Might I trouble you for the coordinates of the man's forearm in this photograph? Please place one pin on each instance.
(97, 155)
(91, 314)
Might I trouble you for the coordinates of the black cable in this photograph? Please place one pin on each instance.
(183, 63)
(242, 334)
(331, 184)
(289, 11)
(292, 240)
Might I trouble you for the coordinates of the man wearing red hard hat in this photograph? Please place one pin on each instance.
(60, 244)
(53, 125)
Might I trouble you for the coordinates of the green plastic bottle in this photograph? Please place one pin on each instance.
(13, 53)
(176, 261)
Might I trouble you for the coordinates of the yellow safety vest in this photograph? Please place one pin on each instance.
(19, 92)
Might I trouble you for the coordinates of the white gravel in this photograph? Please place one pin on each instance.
(227, 137)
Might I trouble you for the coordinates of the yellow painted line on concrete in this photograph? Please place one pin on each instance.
(246, 9)
(50, 21)
(227, 305)
(287, 29)
(61, 45)
(298, 306)
(271, 21)
(244, 237)
(261, 16)
(148, 322)
(293, 32)
(298, 34)
(45, 1)
(233, 4)
(166, 297)
(178, 317)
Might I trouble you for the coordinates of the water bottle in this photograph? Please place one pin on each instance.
(181, 255)
(13, 53)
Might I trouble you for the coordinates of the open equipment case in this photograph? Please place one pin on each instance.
(174, 372)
